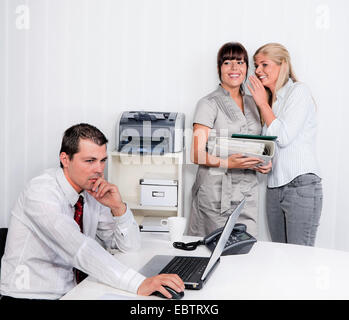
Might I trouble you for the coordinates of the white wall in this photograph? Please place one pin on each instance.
(63, 62)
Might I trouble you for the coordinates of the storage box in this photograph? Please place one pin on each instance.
(159, 192)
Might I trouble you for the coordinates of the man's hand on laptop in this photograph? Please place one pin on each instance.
(156, 283)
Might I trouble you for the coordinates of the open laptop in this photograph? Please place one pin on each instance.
(194, 271)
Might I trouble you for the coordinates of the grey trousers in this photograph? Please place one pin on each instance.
(293, 210)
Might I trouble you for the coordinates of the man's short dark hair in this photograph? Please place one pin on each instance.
(72, 136)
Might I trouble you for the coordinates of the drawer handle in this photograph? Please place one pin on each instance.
(158, 194)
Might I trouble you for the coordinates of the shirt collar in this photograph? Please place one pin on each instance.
(226, 93)
(69, 192)
(282, 91)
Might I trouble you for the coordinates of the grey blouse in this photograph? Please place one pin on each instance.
(216, 190)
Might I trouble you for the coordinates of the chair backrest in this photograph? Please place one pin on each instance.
(3, 235)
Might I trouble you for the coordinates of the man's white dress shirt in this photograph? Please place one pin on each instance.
(295, 126)
(44, 242)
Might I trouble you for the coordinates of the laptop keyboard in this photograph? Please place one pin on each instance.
(185, 267)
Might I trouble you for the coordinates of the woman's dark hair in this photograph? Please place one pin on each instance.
(231, 51)
(72, 136)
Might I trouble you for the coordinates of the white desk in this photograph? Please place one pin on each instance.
(268, 271)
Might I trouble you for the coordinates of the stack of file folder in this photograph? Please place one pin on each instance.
(262, 147)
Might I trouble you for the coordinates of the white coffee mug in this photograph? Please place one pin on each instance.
(176, 227)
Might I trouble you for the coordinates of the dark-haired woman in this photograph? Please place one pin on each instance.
(222, 182)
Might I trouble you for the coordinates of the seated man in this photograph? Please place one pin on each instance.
(57, 221)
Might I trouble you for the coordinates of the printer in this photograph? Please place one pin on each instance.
(146, 132)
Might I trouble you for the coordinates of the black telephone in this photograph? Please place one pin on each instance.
(239, 242)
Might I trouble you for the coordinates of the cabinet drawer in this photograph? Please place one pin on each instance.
(158, 195)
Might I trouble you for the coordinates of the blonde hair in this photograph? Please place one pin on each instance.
(279, 54)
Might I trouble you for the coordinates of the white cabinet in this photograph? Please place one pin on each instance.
(126, 171)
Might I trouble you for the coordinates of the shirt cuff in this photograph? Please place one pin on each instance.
(125, 217)
(125, 223)
(273, 128)
(131, 281)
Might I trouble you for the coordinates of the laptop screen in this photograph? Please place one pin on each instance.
(228, 228)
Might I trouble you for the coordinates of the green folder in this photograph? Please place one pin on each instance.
(251, 136)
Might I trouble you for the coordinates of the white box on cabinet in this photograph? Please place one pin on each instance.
(158, 192)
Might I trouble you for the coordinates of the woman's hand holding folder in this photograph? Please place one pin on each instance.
(239, 161)
(264, 169)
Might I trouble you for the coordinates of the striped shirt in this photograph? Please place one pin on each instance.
(44, 242)
(295, 126)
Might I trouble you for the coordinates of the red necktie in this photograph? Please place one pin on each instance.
(79, 210)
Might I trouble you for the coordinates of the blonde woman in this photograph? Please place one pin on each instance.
(294, 194)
